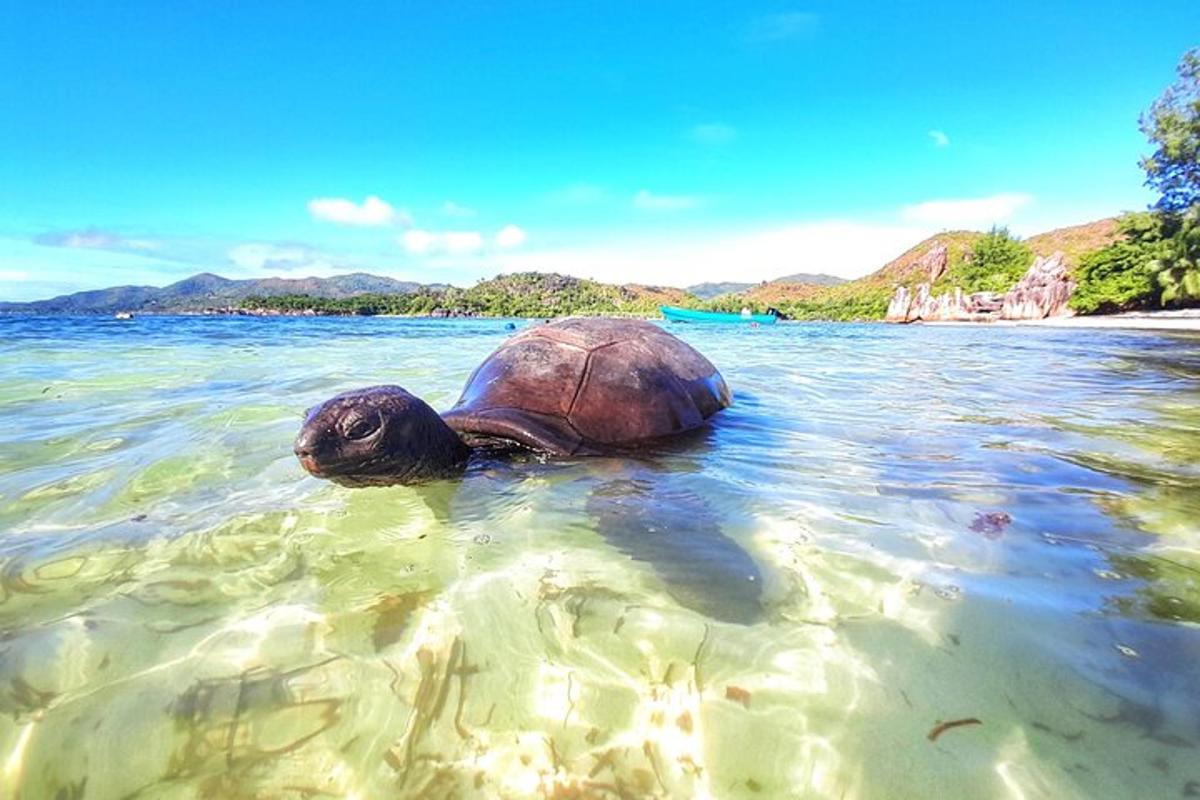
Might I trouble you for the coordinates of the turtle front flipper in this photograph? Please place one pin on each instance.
(673, 529)
(499, 428)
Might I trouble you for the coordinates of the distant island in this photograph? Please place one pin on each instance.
(207, 290)
(954, 275)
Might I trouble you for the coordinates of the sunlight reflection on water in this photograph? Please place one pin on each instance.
(187, 614)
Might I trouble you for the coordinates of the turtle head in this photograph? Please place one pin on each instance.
(378, 436)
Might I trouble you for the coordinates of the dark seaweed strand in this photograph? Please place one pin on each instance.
(942, 727)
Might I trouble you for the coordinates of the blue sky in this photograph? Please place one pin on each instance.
(661, 142)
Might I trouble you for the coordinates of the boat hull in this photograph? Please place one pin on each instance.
(675, 314)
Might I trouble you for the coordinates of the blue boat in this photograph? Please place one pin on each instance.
(676, 314)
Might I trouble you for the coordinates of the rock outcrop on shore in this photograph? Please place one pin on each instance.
(1044, 291)
(952, 306)
(935, 261)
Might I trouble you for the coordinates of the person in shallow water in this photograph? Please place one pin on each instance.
(577, 387)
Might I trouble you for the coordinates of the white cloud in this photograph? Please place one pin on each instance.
(940, 138)
(510, 236)
(373, 212)
(647, 201)
(453, 209)
(13, 275)
(971, 213)
(421, 242)
(782, 27)
(712, 133)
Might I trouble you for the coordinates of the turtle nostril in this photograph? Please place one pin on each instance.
(306, 444)
(308, 461)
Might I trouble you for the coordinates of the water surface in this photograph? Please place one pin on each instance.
(892, 528)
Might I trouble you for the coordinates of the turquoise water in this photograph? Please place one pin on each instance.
(892, 528)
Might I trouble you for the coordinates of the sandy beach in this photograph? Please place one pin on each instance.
(1183, 320)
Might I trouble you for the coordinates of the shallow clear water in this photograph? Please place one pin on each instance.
(788, 606)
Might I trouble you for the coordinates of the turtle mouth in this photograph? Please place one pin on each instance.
(311, 465)
(348, 471)
(321, 462)
(332, 470)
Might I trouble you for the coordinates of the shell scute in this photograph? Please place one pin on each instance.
(627, 395)
(531, 373)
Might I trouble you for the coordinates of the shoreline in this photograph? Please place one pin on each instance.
(1182, 320)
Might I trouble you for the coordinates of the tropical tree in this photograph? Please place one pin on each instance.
(1173, 126)
(1179, 267)
(997, 261)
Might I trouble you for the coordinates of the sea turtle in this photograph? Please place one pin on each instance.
(575, 387)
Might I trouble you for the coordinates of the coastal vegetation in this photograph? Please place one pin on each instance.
(526, 294)
(1157, 262)
(998, 260)
(1178, 268)
(1121, 276)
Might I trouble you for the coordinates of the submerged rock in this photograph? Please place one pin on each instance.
(991, 524)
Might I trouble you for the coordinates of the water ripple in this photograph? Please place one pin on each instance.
(892, 528)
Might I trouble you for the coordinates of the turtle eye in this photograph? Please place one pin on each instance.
(361, 427)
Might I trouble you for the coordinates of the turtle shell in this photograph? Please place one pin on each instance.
(588, 386)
